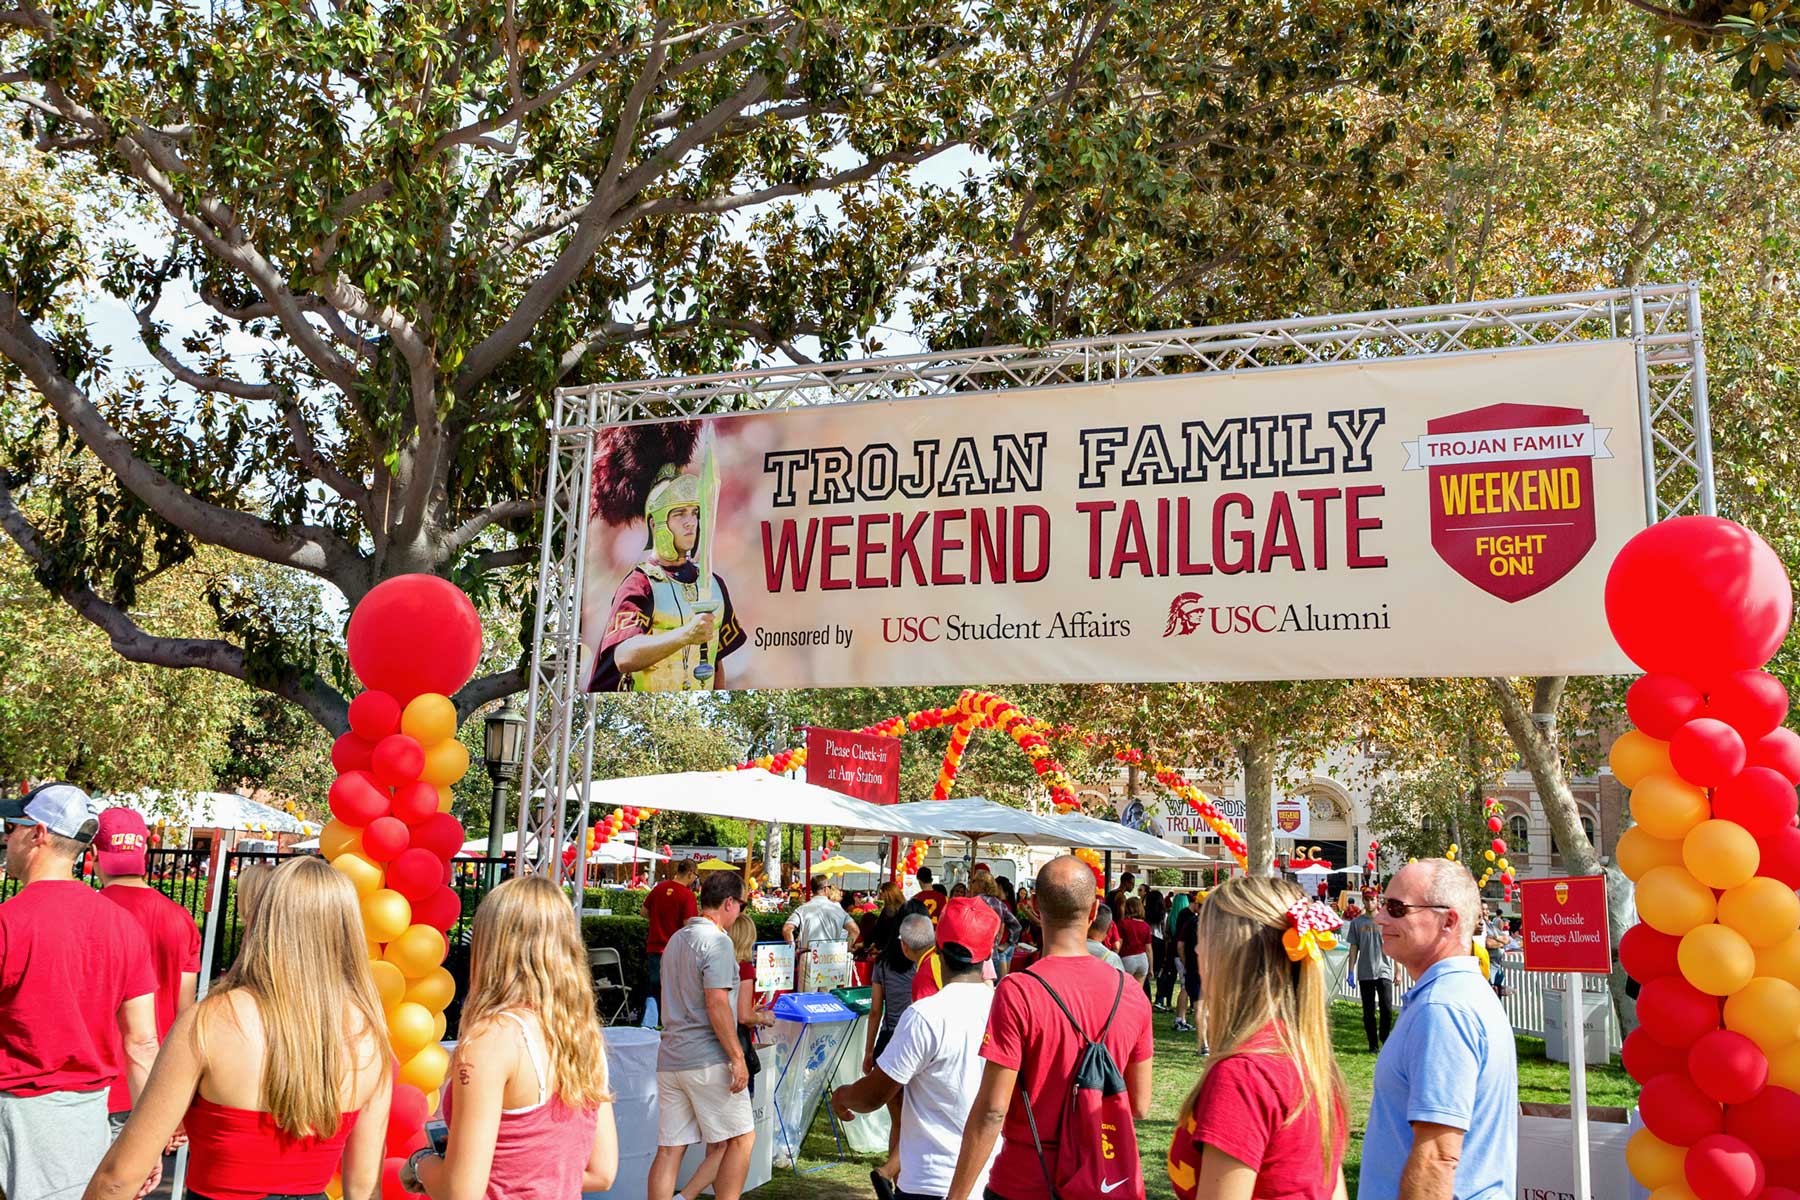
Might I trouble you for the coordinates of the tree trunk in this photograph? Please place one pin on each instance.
(772, 855)
(1257, 756)
(1534, 735)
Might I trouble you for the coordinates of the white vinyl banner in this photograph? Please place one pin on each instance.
(1436, 517)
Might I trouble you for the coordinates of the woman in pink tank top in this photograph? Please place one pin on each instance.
(528, 1107)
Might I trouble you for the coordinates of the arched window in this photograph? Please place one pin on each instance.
(1587, 827)
(1518, 835)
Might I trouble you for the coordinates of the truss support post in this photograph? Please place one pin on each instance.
(1702, 418)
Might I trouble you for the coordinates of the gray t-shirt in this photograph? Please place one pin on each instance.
(698, 957)
(896, 991)
(820, 919)
(1365, 938)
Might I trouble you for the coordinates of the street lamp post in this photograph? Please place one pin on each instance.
(502, 750)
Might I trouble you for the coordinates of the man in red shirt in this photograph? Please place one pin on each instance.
(668, 907)
(931, 895)
(169, 931)
(76, 988)
(1032, 1050)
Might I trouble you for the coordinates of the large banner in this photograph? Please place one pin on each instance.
(1436, 517)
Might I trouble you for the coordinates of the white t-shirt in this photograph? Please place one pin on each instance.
(935, 1056)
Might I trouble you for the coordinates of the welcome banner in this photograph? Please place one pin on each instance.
(1439, 517)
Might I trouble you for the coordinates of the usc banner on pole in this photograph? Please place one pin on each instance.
(1449, 516)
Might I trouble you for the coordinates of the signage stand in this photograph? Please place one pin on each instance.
(1564, 926)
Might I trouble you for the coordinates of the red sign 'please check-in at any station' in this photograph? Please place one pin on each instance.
(1563, 925)
(856, 764)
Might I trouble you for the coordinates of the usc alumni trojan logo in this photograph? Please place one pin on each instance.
(1185, 612)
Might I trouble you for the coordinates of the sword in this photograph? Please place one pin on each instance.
(703, 548)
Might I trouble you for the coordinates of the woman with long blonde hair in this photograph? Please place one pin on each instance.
(281, 1075)
(528, 1106)
(1267, 1116)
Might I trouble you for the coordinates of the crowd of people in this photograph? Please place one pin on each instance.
(1011, 1038)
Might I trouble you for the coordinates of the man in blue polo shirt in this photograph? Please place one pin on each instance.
(1444, 1120)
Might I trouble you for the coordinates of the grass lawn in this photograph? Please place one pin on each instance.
(1176, 1065)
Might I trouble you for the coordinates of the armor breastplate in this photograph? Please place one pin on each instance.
(671, 607)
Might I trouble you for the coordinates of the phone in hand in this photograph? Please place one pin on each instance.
(440, 1137)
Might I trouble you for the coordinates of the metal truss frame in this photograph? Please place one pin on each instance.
(1660, 322)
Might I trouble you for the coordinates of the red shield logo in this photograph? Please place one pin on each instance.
(1511, 493)
(1288, 819)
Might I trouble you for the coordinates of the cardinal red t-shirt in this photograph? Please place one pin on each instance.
(68, 960)
(668, 907)
(1243, 1109)
(926, 975)
(174, 944)
(1028, 1033)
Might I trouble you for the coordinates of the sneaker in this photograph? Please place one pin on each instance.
(1205, 1049)
(1182, 1026)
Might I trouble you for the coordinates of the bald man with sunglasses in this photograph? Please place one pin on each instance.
(1443, 1122)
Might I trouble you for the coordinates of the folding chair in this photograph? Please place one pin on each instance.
(610, 993)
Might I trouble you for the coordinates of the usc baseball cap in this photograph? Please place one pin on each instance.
(62, 808)
(966, 931)
(122, 843)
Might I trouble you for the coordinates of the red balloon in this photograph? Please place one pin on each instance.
(1779, 750)
(391, 1188)
(1705, 752)
(1721, 1167)
(1751, 702)
(1779, 1193)
(374, 715)
(414, 634)
(449, 873)
(1494, 825)
(350, 753)
(1670, 1009)
(1648, 954)
(440, 833)
(1727, 1066)
(1645, 1058)
(408, 1110)
(1767, 1121)
(1678, 1112)
(1784, 1178)
(398, 760)
(416, 801)
(384, 839)
(440, 909)
(415, 874)
(1781, 856)
(401, 1144)
(1760, 800)
(355, 800)
(1699, 597)
(1661, 704)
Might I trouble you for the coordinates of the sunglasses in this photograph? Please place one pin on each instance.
(1399, 908)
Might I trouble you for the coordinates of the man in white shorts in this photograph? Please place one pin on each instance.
(702, 1081)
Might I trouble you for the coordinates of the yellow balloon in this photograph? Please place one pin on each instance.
(1670, 901)
(1767, 1011)
(1490, 855)
(389, 983)
(1635, 755)
(417, 952)
(429, 719)
(334, 1188)
(445, 763)
(426, 1069)
(441, 1028)
(1784, 1067)
(359, 870)
(1720, 854)
(1638, 852)
(431, 1102)
(1667, 806)
(338, 837)
(386, 914)
(1716, 960)
(446, 798)
(1781, 960)
(1764, 910)
(1679, 1190)
(1654, 1162)
(434, 991)
(409, 1029)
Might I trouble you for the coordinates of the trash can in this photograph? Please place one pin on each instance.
(1594, 1009)
(810, 1028)
(868, 1133)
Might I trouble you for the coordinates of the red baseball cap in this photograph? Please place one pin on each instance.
(122, 842)
(970, 925)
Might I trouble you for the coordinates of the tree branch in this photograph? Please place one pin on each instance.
(313, 461)
(129, 640)
(199, 381)
(506, 510)
(496, 560)
(487, 689)
(518, 110)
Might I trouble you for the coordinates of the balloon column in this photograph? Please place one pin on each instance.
(413, 640)
(1095, 863)
(1700, 604)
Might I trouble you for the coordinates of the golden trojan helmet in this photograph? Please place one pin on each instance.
(672, 490)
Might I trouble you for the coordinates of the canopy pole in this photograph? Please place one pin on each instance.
(806, 879)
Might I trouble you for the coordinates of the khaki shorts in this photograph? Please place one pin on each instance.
(698, 1106)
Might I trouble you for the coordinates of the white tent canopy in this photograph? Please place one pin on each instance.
(757, 795)
(210, 810)
(974, 819)
(1139, 844)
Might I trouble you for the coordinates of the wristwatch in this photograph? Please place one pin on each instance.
(409, 1172)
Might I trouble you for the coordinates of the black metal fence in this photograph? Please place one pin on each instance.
(177, 872)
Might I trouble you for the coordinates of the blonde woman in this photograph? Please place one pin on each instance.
(528, 1107)
(281, 1075)
(749, 1017)
(1267, 1117)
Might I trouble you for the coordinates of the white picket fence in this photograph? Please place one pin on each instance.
(1524, 1000)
